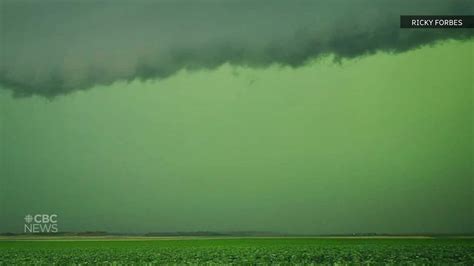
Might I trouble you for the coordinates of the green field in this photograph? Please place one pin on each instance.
(238, 251)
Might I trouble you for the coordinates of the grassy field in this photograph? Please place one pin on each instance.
(238, 251)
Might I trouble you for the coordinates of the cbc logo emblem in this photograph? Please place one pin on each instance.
(41, 223)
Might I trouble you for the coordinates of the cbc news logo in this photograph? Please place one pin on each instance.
(41, 223)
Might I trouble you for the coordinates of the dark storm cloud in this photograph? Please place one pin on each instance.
(55, 47)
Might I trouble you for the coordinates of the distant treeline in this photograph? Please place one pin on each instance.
(210, 233)
(236, 233)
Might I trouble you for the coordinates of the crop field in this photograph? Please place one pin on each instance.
(238, 251)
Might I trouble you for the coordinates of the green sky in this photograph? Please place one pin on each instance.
(382, 143)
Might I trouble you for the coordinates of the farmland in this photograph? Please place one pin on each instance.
(238, 250)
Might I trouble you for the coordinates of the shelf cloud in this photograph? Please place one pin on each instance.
(51, 48)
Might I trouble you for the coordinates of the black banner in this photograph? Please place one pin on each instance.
(433, 22)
